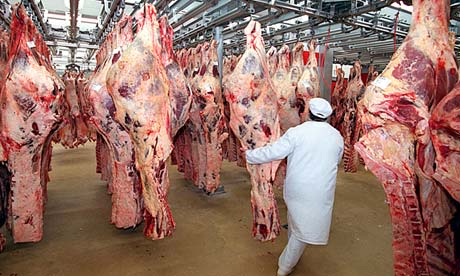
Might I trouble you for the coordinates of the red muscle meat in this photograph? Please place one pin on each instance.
(396, 144)
(308, 85)
(254, 120)
(351, 123)
(139, 87)
(445, 134)
(31, 101)
(124, 180)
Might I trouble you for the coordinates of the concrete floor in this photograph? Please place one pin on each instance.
(213, 234)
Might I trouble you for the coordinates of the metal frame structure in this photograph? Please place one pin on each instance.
(364, 29)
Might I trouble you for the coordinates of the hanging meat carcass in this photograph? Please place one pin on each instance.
(338, 100)
(285, 80)
(207, 119)
(231, 144)
(210, 104)
(124, 180)
(351, 122)
(31, 101)
(81, 82)
(308, 85)
(396, 144)
(74, 131)
(139, 86)
(254, 119)
(371, 74)
(180, 94)
(272, 60)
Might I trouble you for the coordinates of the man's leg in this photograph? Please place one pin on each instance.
(290, 256)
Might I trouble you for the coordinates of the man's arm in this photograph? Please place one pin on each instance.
(276, 151)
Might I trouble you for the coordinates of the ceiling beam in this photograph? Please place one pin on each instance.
(71, 45)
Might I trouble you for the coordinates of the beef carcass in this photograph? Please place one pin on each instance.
(285, 81)
(254, 119)
(272, 60)
(308, 85)
(396, 144)
(74, 131)
(81, 82)
(231, 145)
(338, 100)
(179, 93)
(371, 74)
(124, 180)
(31, 101)
(208, 120)
(210, 102)
(351, 122)
(139, 87)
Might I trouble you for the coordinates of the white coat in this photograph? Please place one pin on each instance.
(313, 151)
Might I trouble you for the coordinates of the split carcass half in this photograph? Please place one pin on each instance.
(397, 148)
(115, 147)
(308, 85)
(351, 122)
(139, 87)
(74, 131)
(31, 102)
(254, 120)
(285, 80)
(272, 60)
(180, 94)
(208, 101)
(338, 100)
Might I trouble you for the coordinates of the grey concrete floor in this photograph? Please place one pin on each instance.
(213, 234)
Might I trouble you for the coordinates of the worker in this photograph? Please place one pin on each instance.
(313, 150)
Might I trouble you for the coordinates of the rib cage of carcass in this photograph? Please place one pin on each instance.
(407, 153)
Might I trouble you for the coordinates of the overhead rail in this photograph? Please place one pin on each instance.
(112, 16)
(73, 19)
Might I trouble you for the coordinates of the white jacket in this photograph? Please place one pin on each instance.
(313, 151)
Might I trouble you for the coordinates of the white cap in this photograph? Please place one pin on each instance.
(320, 108)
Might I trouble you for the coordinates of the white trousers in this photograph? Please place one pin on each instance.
(291, 254)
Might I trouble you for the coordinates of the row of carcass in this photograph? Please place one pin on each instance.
(344, 101)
